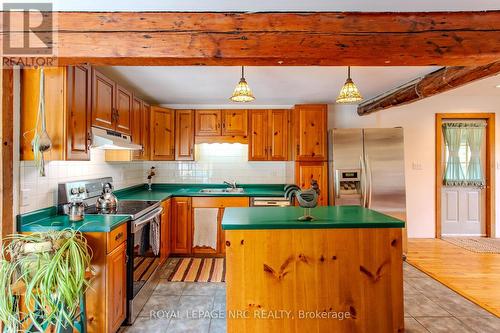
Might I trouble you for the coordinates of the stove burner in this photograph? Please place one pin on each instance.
(134, 208)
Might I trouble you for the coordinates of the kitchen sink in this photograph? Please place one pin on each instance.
(228, 190)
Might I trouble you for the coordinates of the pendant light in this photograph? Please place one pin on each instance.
(349, 92)
(242, 92)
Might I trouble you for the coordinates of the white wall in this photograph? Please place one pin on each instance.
(418, 121)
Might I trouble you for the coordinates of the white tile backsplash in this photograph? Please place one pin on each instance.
(214, 164)
(41, 192)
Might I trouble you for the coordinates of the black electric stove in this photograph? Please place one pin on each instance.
(133, 208)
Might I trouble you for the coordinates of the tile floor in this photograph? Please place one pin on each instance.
(429, 307)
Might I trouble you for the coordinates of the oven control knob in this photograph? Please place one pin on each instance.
(74, 191)
(81, 189)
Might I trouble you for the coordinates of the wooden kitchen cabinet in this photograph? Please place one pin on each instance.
(181, 218)
(165, 229)
(221, 203)
(146, 131)
(207, 122)
(268, 139)
(68, 111)
(307, 171)
(116, 290)
(310, 124)
(162, 134)
(103, 101)
(184, 135)
(123, 110)
(235, 122)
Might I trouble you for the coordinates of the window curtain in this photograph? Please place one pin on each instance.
(453, 175)
(473, 135)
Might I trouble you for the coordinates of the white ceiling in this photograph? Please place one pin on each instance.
(212, 85)
(277, 5)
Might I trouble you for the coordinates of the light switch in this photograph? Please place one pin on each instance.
(416, 166)
(25, 197)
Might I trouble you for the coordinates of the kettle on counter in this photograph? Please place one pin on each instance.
(76, 210)
(107, 200)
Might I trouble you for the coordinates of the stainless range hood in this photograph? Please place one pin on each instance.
(106, 139)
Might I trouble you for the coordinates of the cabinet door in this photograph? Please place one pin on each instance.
(162, 134)
(103, 101)
(257, 145)
(116, 287)
(78, 112)
(310, 122)
(184, 135)
(234, 122)
(278, 144)
(165, 230)
(123, 110)
(146, 125)
(136, 127)
(181, 226)
(307, 171)
(207, 123)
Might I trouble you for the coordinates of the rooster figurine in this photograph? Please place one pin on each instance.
(307, 199)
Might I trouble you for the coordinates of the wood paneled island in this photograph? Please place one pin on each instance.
(339, 273)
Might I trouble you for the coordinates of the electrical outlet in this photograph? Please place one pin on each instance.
(416, 166)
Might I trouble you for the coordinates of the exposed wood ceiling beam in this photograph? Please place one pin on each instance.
(439, 81)
(334, 39)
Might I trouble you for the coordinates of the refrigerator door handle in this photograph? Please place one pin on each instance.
(370, 180)
(363, 181)
(337, 184)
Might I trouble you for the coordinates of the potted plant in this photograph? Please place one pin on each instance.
(43, 278)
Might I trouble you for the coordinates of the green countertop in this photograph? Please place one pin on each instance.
(47, 219)
(165, 191)
(254, 218)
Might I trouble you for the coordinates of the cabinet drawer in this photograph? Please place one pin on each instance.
(211, 202)
(116, 237)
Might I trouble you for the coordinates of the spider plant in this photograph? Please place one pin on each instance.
(51, 267)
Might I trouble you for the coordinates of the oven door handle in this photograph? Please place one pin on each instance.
(140, 222)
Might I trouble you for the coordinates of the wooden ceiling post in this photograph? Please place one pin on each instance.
(434, 83)
(6, 163)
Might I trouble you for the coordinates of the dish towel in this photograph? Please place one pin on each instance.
(205, 227)
(154, 235)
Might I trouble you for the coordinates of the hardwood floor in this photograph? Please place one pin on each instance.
(473, 275)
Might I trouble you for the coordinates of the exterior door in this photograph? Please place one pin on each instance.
(463, 208)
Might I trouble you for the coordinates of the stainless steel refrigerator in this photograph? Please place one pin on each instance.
(366, 168)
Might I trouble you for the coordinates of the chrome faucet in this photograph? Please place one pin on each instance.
(151, 173)
(231, 184)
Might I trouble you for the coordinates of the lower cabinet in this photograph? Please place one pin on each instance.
(209, 204)
(107, 296)
(305, 172)
(181, 225)
(116, 287)
(165, 230)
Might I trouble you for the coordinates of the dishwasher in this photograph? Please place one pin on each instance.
(270, 202)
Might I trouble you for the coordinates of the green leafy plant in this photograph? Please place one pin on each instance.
(52, 269)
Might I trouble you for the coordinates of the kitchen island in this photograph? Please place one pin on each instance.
(341, 272)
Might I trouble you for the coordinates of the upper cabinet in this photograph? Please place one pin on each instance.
(310, 124)
(123, 110)
(103, 101)
(67, 101)
(234, 122)
(208, 122)
(111, 104)
(268, 138)
(184, 135)
(162, 134)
